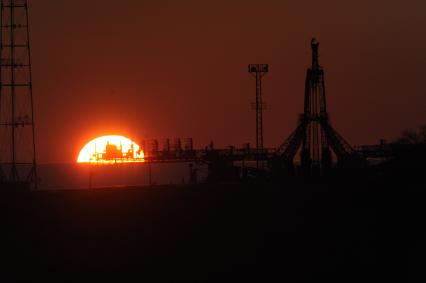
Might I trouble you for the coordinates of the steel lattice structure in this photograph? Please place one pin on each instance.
(314, 136)
(258, 71)
(17, 143)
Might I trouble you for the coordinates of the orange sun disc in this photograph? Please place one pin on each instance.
(110, 149)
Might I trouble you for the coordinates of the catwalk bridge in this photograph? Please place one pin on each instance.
(175, 153)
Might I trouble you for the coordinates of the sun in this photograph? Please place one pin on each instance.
(110, 149)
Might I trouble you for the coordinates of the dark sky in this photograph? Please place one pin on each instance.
(158, 69)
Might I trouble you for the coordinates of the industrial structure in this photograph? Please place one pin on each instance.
(221, 162)
(314, 136)
(316, 140)
(17, 143)
(258, 71)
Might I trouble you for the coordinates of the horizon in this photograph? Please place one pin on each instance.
(165, 70)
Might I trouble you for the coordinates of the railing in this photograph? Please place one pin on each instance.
(208, 155)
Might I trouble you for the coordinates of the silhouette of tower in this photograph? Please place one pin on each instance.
(314, 134)
(258, 71)
(17, 143)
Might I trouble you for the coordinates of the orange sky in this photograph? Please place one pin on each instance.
(158, 69)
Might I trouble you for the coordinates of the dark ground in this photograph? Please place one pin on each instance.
(348, 231)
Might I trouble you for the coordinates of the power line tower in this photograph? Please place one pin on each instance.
(17, 142)
(314, 134)
(259, 71)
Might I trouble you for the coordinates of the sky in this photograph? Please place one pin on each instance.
(166, 69)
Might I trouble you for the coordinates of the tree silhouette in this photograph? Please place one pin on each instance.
(413, 137)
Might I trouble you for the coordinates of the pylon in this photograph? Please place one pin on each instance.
(17, 142)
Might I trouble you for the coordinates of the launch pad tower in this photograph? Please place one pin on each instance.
(314, 136)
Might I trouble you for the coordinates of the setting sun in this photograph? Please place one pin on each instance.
(110, 149)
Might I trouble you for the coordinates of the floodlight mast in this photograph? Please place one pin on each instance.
(259, 71)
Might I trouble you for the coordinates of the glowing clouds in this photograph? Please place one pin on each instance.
(110, 149)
